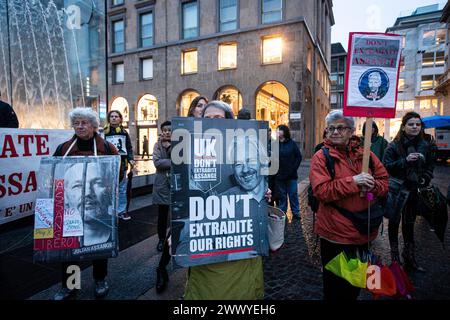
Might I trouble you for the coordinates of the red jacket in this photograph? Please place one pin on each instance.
(330, 224)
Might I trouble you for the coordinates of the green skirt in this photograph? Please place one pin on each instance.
(231, 280)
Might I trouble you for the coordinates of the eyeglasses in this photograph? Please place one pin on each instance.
(80, 123)
(331, 129)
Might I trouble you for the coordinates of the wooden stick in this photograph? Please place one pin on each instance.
(366, 155)
(367, 144)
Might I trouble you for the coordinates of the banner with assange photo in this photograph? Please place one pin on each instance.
(218, 185)
(76, 208)
(372, 75)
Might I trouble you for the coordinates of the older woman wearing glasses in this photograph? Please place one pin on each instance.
(342, 188)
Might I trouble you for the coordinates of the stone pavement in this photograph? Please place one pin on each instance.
(293, 272)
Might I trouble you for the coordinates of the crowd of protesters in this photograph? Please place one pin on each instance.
(397, 172)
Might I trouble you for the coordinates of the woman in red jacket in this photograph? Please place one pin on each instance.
(337, 232)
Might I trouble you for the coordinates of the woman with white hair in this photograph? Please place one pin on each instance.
(337, 183)
(85, 142)
(229, 280)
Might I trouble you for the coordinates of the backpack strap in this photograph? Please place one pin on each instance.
(107, 147)
(329, 162)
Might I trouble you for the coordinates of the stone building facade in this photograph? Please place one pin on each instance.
(271, 56)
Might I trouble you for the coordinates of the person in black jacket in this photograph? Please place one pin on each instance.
(8, 118)
(408, 158)
(116, 134)
(286, 177)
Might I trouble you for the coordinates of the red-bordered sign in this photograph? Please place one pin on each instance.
(372, 74)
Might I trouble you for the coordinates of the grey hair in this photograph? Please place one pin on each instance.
(84, 113)
(375, 74)
(335, 115)
(222, 106)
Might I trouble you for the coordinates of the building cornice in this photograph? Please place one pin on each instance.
(114, 12)
(144, 4)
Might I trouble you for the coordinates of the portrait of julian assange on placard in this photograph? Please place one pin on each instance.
(86, 216)
(224, 217)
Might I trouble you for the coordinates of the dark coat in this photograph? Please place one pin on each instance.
(415, 174)
(161, 185)
(8, 118)
(378, 146)
(124, 159)
(290, 159)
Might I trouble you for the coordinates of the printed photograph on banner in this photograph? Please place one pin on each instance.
(219, 211)
(372, 75)
(119, 142)
(84, 194)
(43, 219)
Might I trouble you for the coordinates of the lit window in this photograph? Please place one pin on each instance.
(440, 36)
(117, 2)
(425, 104)
(227, 56)
(427, 82)
(119, 38)
(408, 105)
(428, 60)
(147, 109)
(190, 19)
(121, 105)
(189, 62)
(309, 58)
(185, 102)
(147, 69)
(401, 84)
(402, 64)
(232, 97)
(440, 59)
(146, 25)
(119, 73)
(272, 50)
(228, 15)
(272, 11)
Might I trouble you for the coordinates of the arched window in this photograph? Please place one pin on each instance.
(230, 95)
(121, 104)
(147, 109)
(184, 101)
(272, 104)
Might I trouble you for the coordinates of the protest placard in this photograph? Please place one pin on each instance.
(219, 212)
(76, 216)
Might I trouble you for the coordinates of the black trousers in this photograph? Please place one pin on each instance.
(163, 216)
(334, 287)
(165, 256)
(99, 270)
(408, 219)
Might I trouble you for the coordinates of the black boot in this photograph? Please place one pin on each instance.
(409, 258)
(161, 279)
